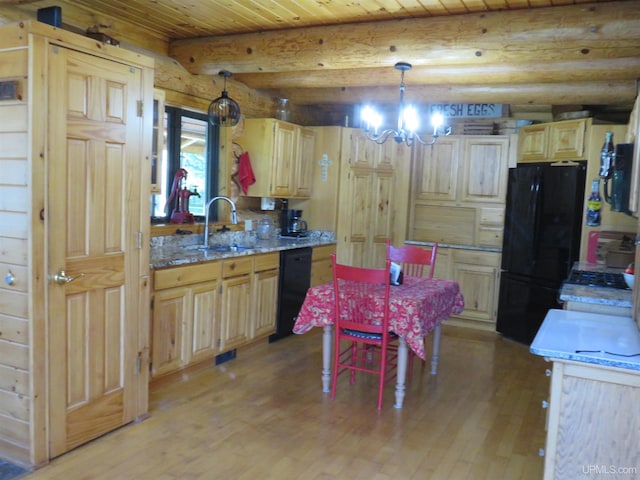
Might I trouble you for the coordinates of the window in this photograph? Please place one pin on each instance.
(191, 144)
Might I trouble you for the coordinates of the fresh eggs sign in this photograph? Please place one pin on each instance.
(467, 110)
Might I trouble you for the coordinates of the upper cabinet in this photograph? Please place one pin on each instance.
(463, 168)
(553, 141)
(458, 190)
(281, 156)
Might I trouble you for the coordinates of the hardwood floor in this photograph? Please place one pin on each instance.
(263, 415)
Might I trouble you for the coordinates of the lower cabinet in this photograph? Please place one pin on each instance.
(264, 303)
(478, 274)
(236, 302)
(184, 316)
(321, 267)
(593, 429)
(205, 309)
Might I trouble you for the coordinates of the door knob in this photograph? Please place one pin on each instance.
(61, 277)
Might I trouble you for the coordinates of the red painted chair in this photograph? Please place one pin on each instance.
(414, 261)
(355, 329)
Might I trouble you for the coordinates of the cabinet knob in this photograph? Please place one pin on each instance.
(547, 372)
(545, 404)
(541, 452)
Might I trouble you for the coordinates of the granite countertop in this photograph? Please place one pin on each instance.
(596, 295)
(170, 252)
(607, 340)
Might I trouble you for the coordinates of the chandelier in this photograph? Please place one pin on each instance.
(408, 120)
(224, 111)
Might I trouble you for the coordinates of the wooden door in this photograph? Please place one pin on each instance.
(171, 313)
(235, 310)
(484, 169)
(285, 151)
(436, 170)
(305, 160)
(265, 303)
(204, 334)
(532, 143)
(93, 218)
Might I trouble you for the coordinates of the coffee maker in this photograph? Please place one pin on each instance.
(292, 224)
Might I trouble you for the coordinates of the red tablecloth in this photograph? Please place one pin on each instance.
(415, 308)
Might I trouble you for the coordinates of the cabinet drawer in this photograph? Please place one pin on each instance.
(268, 261)
(175, 276)
(323, 252)
(236, 266)
(490, 236)
(492, 216)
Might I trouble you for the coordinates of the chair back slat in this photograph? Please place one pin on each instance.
(359, 303)
(413, 259)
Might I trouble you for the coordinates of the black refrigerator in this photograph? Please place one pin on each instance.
(543, 222)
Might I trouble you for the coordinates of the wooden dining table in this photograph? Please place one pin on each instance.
(416, 308)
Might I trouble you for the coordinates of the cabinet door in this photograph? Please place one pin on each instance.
(321, 267)
(171, 311)
(284, 155)
(304, 162)
(354, 217)
(566, 140)
(436, 170)
(235, 310)
(477, 275)
(265, 303)
(484, 169)
(532, 143)
(203, 331)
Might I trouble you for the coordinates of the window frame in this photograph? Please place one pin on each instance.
(173, 121)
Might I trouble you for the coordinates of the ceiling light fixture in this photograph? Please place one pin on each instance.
(224, 111)
(408, 121)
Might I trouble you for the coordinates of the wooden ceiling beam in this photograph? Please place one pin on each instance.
(556, 72)
(569, 93)
(559, 34)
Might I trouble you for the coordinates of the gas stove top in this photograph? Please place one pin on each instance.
(597, 279)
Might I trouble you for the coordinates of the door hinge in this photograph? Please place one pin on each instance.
(152, 303)
(138, 363)
(139, 240)
(140, 107)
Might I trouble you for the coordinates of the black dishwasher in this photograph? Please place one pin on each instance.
(295, 279)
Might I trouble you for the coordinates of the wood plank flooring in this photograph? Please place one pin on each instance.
(263, 415)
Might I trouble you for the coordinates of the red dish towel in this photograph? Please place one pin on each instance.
(246, 176)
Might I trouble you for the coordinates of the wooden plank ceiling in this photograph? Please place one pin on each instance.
(323, 52)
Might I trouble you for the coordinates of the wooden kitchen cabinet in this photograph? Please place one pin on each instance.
(551, 142)
(266, 273)
(235, 302)
(592, 421)
(321, 266)
(281, 156)
(458, 190)
(478, 274)
(436, 170)
(186, 316)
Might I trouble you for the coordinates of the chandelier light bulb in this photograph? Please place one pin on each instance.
(408, 120)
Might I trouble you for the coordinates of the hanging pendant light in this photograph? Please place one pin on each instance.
(408, 120)
(224, 111)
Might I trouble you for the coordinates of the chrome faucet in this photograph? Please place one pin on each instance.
(234, 216)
